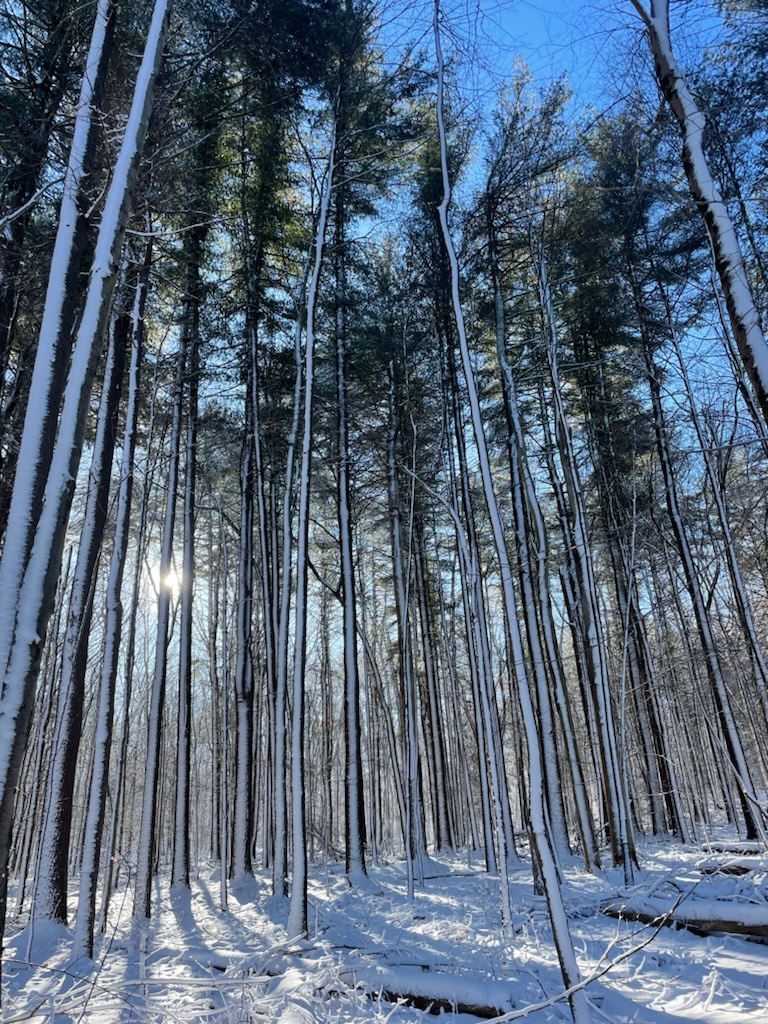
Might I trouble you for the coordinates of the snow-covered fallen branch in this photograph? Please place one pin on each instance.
(434, 991)
(697, 915)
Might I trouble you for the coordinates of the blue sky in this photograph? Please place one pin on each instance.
(599, 44)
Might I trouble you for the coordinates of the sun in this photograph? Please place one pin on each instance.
(171, 580)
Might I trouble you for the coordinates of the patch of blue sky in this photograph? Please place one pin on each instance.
(598, 45)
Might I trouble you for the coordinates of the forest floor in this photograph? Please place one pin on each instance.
(197, 963)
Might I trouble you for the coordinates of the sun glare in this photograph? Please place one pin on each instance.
(168, 581)
(172, 581)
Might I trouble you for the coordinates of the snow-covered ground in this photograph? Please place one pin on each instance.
(199, 963)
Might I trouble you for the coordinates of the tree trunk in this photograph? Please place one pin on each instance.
(55, 335)
(578, 539)
(145, 860)
(297, 914)
(354, 829)
(60, 305)
(401, 569)
(540, 838)
(180, 868)
(25, 618)
(86, 906)
(742, 310)
(735, 752)
(52, 869)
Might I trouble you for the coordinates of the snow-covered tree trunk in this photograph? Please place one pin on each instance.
(438, 768)
(401, 570)
(181, 840)
(97, 793)
(464, 808)
(581, 551)
(325, 812)
(264, 520)
(474, 612)
(25, 618)
(28, 812)
(494, 765)
(280, 852)
(23, 175)
(223, 724)
(53, 343)
(243, 673)
(142, 892)
(540, 837)
(53, 855)
(59, 313)
(127, 655)
(535, 586)
(142, 903)
(384, 711)
(524, 503)
(735, 751)
(742, 311)
(738, 584)
(354, 829)
(297, 914)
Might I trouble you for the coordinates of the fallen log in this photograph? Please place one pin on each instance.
(699, 916)
(727, 869)
(745, 849)
(414, 985)
(433, 991)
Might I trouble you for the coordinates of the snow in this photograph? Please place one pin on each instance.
(20, 525)
(745, 318)
(194, 962)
